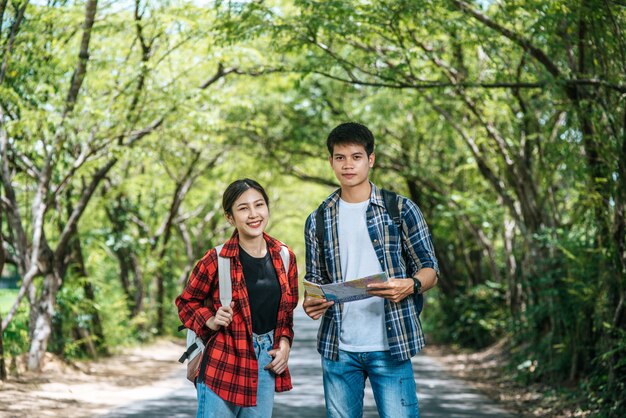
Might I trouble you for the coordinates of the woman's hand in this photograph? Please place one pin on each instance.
(222, 318)
(281, 357)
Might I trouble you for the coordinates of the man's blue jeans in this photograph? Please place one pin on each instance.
(211, 405)
(392, 383)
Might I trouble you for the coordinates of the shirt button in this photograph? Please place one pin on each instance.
(375, 241)
(388, 328)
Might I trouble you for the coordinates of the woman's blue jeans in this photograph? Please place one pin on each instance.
(392, 383)
(211, 405)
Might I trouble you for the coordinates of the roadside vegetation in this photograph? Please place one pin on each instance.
(122, 122)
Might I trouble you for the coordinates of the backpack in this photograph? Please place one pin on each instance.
(195, 344)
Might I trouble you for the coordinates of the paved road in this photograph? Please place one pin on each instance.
(440, 395)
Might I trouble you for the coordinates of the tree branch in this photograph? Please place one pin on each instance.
(483, 167)
(537, 53)
(83, 57)
(9, 47)
(3, 5)
(9, 200)
(180, 191)
(81, 206)
(621, 88)
(134, 136)
(86, 151)
(184, 234)
(29, 166)
(426, 85)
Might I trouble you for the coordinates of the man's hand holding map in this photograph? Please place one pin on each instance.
(343, 292)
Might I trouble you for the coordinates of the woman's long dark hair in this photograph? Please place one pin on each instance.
(236, 189)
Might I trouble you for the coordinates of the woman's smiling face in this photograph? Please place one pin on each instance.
(250, 214)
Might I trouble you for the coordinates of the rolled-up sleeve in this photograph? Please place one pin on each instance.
(419, 241)
(191, 303)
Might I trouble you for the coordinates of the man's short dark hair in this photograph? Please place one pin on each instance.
(351, 133)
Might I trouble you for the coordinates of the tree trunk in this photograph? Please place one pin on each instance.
(513, 288)
(446, 268)
(122, 258)
(96, 322)
(90, 294)
(117, 213)
(160, 303)
(75, 262)
(56, 344)
(3, 369)
(42, 326)
(138, 282)
(619, 241)
(83, 336)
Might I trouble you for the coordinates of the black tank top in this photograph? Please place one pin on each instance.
(263, 290)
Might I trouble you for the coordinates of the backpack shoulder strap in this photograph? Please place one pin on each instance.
(390, 199)
(284, 254)
(193, 341)
(223, 268)
(319, 227)
(224, 279)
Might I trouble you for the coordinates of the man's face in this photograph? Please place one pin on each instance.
(351, 164)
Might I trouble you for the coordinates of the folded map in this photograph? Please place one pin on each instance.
(343, 292)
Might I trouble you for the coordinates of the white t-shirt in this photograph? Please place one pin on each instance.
(362, 321)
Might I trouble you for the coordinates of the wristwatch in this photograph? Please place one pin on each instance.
(417, 286)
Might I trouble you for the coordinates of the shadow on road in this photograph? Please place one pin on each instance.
(440, 395)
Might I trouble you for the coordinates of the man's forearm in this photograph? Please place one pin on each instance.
(428, 277)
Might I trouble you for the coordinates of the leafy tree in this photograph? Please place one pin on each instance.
(60, 146)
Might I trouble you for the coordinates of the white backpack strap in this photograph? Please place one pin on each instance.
(195, 345)
(223, 269)
(284, 254)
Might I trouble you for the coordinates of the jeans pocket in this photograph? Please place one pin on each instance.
(408, 390)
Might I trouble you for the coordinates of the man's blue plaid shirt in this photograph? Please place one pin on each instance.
(404, 329)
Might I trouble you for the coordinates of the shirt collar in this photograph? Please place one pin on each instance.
(376, 197)
(231, 247)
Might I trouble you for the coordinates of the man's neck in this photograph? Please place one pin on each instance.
(356, 194)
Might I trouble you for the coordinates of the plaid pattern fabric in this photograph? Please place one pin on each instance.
(404, 329)
(232, 367)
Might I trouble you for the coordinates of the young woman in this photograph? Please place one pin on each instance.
(248, 342)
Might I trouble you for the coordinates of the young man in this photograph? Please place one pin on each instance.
(374, 337)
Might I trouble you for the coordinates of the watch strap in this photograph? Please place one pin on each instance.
(417, 286)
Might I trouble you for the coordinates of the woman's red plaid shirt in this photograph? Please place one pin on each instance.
(232, 370)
